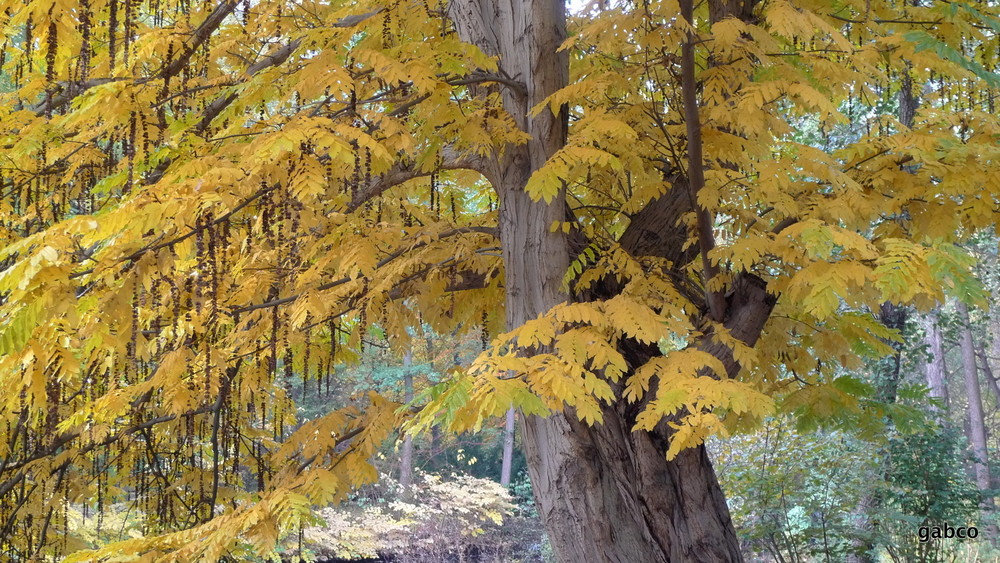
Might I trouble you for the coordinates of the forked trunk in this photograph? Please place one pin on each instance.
(608, 494)
(605, 493)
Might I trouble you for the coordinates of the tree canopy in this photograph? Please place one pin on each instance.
(201, 199)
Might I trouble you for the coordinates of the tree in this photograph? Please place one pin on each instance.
(935, 369)
(977, 424)
(201, 200)
(406, 457)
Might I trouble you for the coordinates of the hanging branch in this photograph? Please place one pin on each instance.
(276, 302)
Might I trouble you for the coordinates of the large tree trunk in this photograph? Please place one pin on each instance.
(605, 493)
(608, 494)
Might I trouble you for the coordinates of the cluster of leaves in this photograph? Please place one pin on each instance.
(792, 494)
(836, 233)
(795, 495)
(928, 486)
(183, 232)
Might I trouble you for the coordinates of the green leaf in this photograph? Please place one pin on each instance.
(927, 42)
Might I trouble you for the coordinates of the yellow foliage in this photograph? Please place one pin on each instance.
(198, 200)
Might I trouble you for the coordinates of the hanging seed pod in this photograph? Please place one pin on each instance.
(199, 244)
(213, 275)
(263, 411)
(265, 220)
(224, 240)
(331, 325)
(50, 55)
(286, 360)
(433, 190)
(29, 42)
(133, 332)
(356, 176)
(484, 334)
(189, 289)
(145, 138)
(127, 40)
(130, 149)
(306, 354)
(112, 31)
(259, 454)
(286, 347)
(386, 31)
(275, 323)
(65, 521)
(368, 167)
(279, 424)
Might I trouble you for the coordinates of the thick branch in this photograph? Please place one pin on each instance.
(657, 229)
(220, 219)
(392, 256)
(696, 172)
(65, 92)
(399, 173)
(67, 437)
(199, 37)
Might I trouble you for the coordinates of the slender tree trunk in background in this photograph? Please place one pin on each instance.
(406, 459)
(935, 369)
(508, 447)
(887, 374)
(977, 426)
(991, 380)
(993, 357)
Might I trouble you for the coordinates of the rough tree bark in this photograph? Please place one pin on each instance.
(605, 493)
